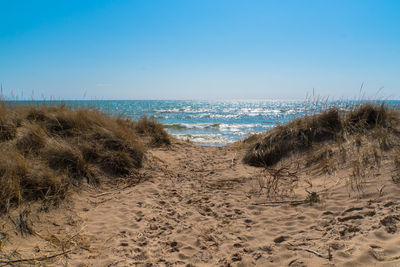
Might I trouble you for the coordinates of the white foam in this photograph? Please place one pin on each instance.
(184, 126)
(210, 139)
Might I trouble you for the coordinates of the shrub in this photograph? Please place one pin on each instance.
(367, 116)
(295, 136)
(43, 149)
(331, 124)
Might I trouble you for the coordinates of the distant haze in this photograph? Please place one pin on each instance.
(209, 49)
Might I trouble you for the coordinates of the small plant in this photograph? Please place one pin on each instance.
(365, 157)
(358, 141)
(381, 135)
(376, 154)
(357, 176)
(322, 159)
(22, 224)
(3, 236)
(312, 198)
(397, 159)
(326, 164)
(154, 130)
(342, 153)
(278, 182)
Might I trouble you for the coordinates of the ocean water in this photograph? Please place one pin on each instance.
(214, 123)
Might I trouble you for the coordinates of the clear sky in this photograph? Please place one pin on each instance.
(199, 49)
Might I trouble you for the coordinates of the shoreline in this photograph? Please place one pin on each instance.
(220, 122)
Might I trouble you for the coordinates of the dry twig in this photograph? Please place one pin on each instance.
(318, 254)
(233, 160)
(43, 258)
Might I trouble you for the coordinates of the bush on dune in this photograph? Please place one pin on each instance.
(331, 124)
(43, 149)
(369, 116)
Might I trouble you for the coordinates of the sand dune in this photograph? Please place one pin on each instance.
(200, 206)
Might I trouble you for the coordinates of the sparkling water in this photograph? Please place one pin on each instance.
(214, 122)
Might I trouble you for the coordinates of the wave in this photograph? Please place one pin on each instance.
(228, 116)
(263, 112)
(230, 111)
(182, 110)
(241, 127)
(214, 139)
(232, 128)
(173, 110)
(213, 116)
(209, 139)
(185, 126)
(159, 117)
(174, 126)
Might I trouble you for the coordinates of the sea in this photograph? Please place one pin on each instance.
(214, 123)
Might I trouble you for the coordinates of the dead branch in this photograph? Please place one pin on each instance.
(291, 202)
(43, 258)
(317, 254)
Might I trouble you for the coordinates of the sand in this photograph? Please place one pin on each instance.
(201, 206)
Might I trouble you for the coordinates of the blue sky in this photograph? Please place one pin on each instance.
(199, 49)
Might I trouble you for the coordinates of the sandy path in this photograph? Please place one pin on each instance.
(196, 208)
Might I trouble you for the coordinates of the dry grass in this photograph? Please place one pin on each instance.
(358, 139)
(329, 125)
(150, 128)
(396, 158)
(32, 139)
(43, 149)
(8, 127)
(278, 182)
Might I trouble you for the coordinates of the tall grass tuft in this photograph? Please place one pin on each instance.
(150, 128)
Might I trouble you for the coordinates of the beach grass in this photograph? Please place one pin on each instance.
(44, 149)
(332, 124)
